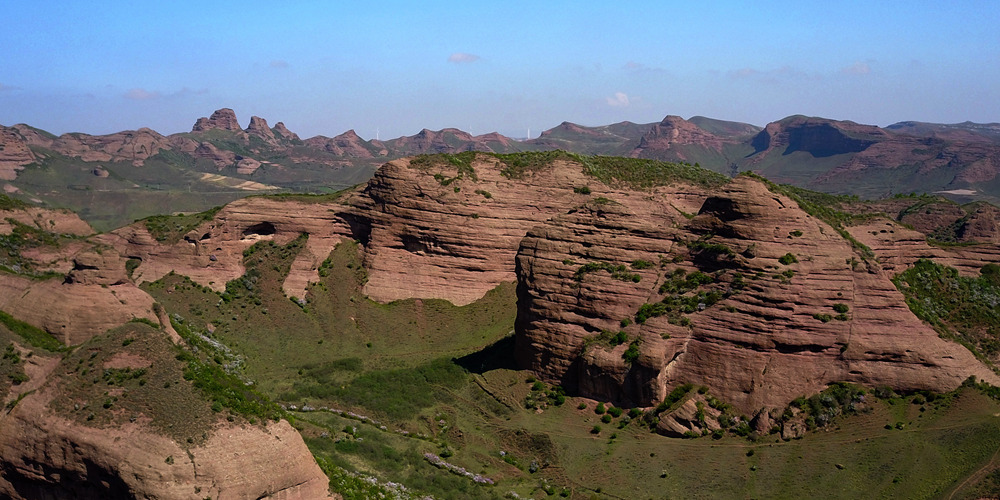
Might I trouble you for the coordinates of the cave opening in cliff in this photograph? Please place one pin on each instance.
(260, 229)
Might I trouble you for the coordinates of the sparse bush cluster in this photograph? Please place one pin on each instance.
(618, 272)
(679, 300)
(171, 228)
(788, 259)
(839, 398)
(541, 396)
(962, 308)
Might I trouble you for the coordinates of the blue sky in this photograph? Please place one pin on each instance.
(398, 67)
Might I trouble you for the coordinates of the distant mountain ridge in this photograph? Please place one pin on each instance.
(221, 157)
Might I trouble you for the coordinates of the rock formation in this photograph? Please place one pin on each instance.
(258, 128)
(663, 140)
(221, 119)
(14, 154)
(281, 131)
(50, 448)
(759, 341)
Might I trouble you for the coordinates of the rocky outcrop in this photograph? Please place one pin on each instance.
(221, 158)
(281, 131)
(53, 221)
(817, 136)
(348, 144)
(48, 456)
(663, 139)
(692, 418)
(14, 154)
(449, 140)
(762, 334)
(71, 311)
(221, 119)
(212, 254)
(431, 232)
(258, 128)
(92, 268)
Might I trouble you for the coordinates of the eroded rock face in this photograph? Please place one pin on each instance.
(761, 345)
(14, 154)
(348, 144)
(282, 131)
(47, 456)
(73, 312)
(428, 236)
(221, 119)
(662, 138)
(258, 127)
(212, 254)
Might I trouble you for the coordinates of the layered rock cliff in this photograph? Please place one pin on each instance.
(758, 325)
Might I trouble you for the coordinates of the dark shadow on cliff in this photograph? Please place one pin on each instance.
(498, 355)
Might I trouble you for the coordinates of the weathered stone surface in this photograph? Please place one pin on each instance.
(14, 153)
(221, 119)
(691, 418)
(348, 144)
(47, 456)
(258, 127)
(221, 158)
(212, 254)
(282, 131)
(425, 239)
(73, 312)
(760, 347)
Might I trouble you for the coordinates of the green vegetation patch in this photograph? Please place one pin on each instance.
(960, 308)
(23, 237)
(212, 368)
(461, 162)
(8, 203)
(171, 228)
(617, 271)
(644, 173)
(133, 373)
(31, 334)
(396, 394)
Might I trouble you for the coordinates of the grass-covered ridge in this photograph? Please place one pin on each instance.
(171, 228)
(636, 173)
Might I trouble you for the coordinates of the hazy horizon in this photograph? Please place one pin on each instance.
(399, 67)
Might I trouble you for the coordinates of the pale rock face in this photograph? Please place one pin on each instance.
(74, 312)
(47, 456)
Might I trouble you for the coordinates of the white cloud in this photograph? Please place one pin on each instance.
(142, 95)
(858, 68)
(620, 99)
(278, 64)
(462, 57)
